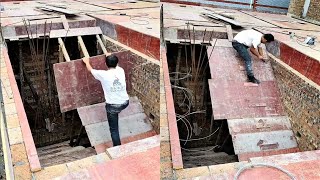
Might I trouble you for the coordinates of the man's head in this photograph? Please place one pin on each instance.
(112, 61)
(267, 38)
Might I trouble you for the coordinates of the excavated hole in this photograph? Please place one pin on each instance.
(57, 135)
(194, 109)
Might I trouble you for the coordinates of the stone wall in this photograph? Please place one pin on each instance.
(296, 8)
(301, 99)
(145, 78)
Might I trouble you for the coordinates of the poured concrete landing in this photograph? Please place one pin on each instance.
(254, 137)
(139, 166)
(232, 96)
(133, 147)
(132, 122)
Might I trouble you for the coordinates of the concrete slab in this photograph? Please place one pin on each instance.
(225, 63)
(142, 166)
(99, 133)
(262, 141)
(134, 147)
(234, 100)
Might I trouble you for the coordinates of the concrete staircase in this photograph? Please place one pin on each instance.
(133, 124)
(135, 160)
(205, 156)
(256, 119)
(62, 153)
(254, 137)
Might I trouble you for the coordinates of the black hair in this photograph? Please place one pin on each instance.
(112, 61)
(268, 37)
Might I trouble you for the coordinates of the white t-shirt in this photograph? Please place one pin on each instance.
(249, 38)
(113, 83)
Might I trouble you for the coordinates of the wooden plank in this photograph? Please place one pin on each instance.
(64, 50)
(64, 22)
(60, 10)
(75, 32)
(229, 32)
(83, 47)
(102, 45)
(228, 20)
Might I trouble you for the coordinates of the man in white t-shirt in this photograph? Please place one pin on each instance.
(113, 83)
(250, 39)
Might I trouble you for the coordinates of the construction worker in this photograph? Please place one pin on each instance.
(113, 83)
(250, 39)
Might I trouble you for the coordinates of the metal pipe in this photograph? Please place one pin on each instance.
(305, 8)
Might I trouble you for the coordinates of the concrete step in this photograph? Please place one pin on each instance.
(133, 147)
(54, 149)
(67, 156)
(263, 124)
(132, 125)
(143, 165)
(248, 156)
(97, 113)
(208, 159)
(66, 151)
(263, 141)
(53, 146)
(289, 158)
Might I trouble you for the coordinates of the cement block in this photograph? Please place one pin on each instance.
(129, 126)
(15, 135)
(134, 147)
(52, 172)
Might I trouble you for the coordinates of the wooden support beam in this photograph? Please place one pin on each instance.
(102, 45)
(64, 22)
(64, 50)
(229, 32)
(83, 47)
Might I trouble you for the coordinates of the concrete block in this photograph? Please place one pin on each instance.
(18, 153)
(52, 172)
(12, 121)
(10, 108)
(134, 147)
(22, 172)
(132, 125)
(192, 172)
(15, 136)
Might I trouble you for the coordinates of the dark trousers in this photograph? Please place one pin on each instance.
(113, 111)
(244, 54)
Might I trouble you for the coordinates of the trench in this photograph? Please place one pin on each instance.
(57, 136)
(204, 141)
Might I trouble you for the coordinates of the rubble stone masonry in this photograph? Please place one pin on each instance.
(145, 78)
(301, 99)
(296, 8)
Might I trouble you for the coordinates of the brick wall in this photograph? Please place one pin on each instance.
(145, 78)
(301, 99)
(296, 8)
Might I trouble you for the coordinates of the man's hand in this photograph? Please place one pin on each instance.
(85, 60)
(262, 58)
